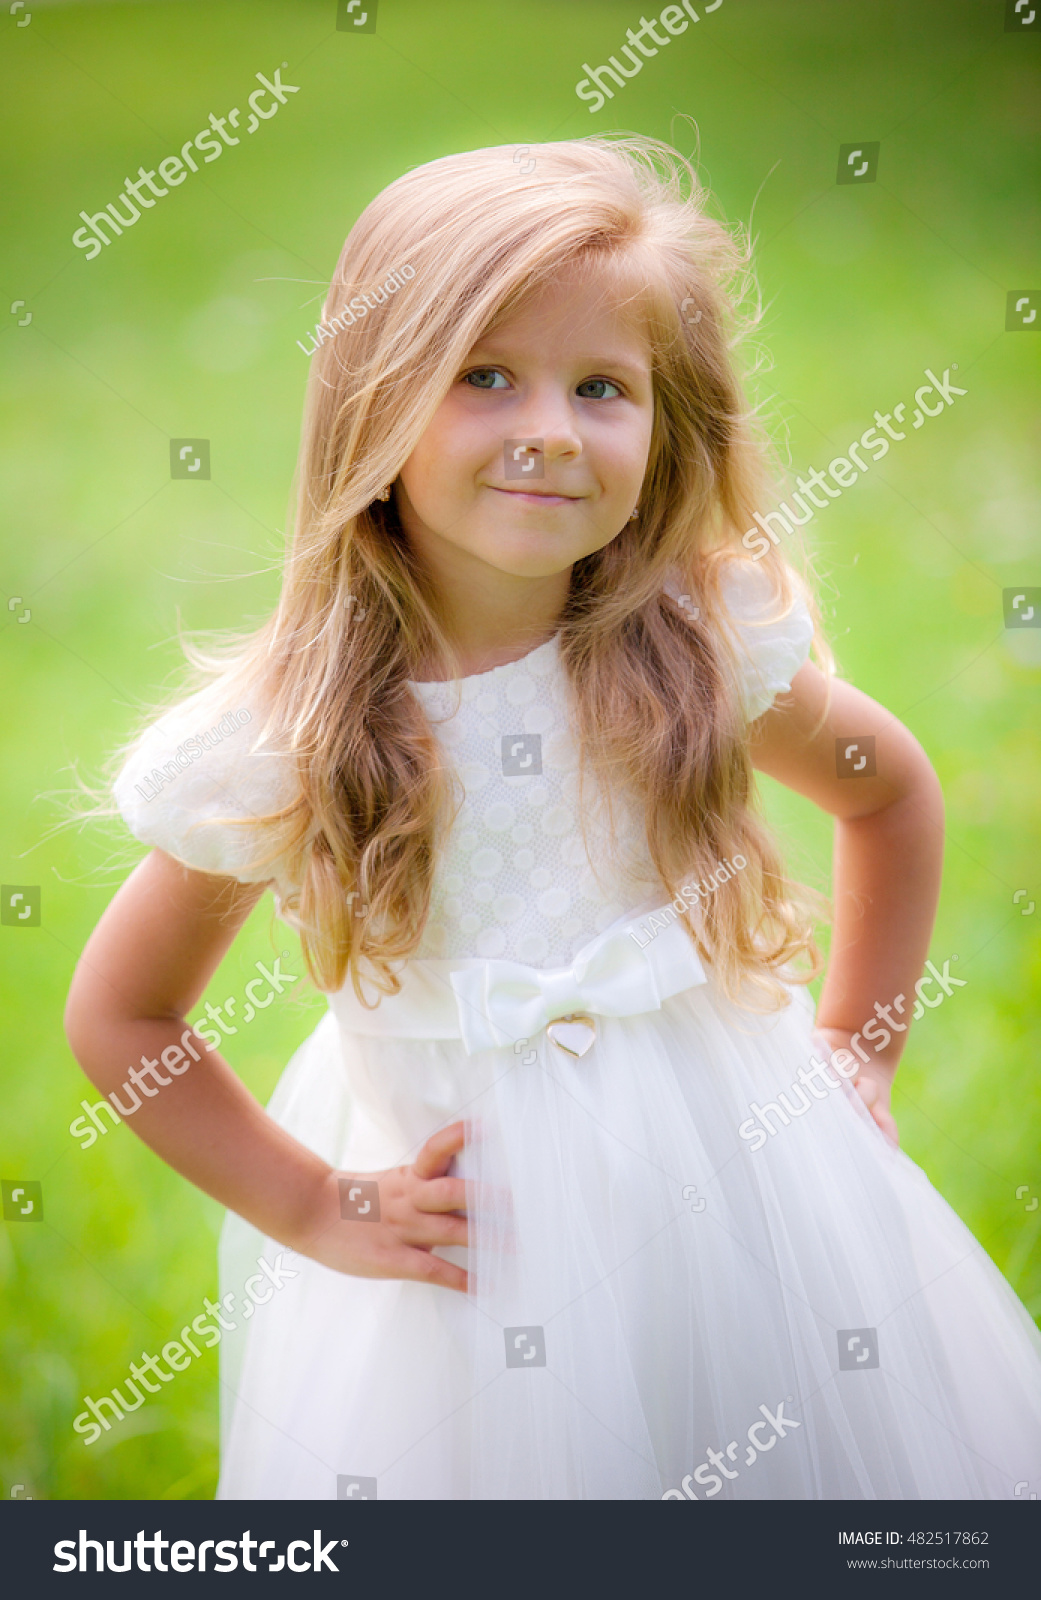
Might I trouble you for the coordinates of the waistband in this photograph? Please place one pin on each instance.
(623, 972)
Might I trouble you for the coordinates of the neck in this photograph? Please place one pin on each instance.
(494, 617)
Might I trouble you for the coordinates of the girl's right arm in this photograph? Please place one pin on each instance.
(145, 966)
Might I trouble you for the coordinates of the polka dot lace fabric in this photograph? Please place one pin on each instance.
(515, 880)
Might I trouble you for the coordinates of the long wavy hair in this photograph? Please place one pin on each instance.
(654, 687)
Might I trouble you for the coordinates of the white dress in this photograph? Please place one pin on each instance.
(662, 1305)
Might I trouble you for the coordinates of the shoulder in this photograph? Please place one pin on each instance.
(770, 640)
(194, 779)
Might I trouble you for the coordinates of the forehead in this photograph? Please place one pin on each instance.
(582, 307)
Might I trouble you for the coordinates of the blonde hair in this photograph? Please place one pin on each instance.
(655, 692)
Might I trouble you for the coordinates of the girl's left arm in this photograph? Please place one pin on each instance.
(828, 741)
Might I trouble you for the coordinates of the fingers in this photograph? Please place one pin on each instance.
(380, 1253)
(435, 1158)
(418, 1216)
(422, 1267)
(887, 1122)
(438, 1230)
(876, 1102)
(441, 1194)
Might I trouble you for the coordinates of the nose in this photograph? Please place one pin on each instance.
(551, 419)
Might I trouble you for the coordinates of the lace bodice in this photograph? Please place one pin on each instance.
(517, 878)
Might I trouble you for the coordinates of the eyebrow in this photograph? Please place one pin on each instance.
(618, 363)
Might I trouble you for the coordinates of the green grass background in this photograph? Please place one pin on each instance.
(187, 326)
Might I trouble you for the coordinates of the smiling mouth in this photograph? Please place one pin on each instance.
(535, 494)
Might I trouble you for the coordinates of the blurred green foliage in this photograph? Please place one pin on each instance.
(187, 327)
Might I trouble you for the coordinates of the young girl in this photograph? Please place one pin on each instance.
(565, 1197)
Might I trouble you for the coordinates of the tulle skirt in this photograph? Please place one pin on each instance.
(663, 1303)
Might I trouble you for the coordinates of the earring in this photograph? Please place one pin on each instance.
(384, 493)
(634, 513)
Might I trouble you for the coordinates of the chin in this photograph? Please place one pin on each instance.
(529, 565)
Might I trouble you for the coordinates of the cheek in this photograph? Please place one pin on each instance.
(624, 451)
(446, 458)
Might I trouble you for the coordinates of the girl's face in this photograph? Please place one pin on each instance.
(538, 451)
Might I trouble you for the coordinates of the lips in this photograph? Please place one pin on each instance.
(537, 494)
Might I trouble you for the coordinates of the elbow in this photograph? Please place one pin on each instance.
(71, 1018)
(79, 1021)
(925, 790)
(906, 793)
(912, 781)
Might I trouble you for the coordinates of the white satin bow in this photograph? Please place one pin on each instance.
(501, 1002)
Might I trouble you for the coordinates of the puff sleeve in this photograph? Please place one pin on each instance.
(770, 652)
(203, 760)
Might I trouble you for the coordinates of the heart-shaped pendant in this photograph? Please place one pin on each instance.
(575, 1034)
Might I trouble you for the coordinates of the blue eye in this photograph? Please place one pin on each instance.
(597, 383)
(476, 378)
